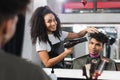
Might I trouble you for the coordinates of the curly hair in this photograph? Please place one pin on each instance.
(99, 37)
(38, 27)
(11, 9)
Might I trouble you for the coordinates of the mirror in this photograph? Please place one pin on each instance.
(111, 30)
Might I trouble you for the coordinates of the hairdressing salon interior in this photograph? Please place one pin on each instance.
(75, 15)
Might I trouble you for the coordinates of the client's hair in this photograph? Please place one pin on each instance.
(99, 37)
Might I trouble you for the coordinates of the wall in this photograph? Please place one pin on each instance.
(111, 18)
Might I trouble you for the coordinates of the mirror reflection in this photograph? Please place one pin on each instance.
(110, 49)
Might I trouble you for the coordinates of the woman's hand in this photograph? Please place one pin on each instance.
(68, 50)
(92, 30)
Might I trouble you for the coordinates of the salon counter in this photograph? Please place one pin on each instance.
(75, 74)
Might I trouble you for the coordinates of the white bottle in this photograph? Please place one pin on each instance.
(52, 75)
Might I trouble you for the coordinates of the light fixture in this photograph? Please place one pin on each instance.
(84, 2)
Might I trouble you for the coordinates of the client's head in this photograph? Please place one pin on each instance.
(96, 42)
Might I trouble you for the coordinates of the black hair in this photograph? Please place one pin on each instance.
(38, 27)
(99, 37)
(10, 8)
